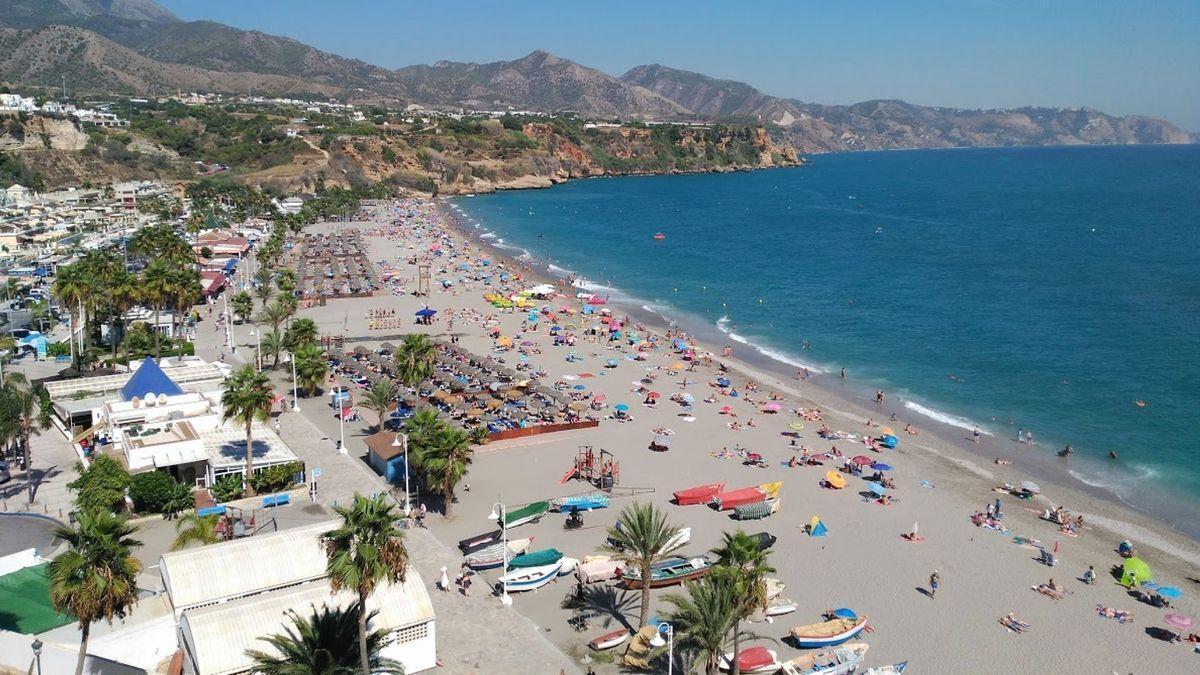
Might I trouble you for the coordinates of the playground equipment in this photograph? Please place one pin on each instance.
(600, 468)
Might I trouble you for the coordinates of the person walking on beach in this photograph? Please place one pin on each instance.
(1020, 437)
(1089, 577)
(935, 580)
(975, 435)
(843, 374)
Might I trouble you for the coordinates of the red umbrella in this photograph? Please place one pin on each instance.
(653, 394)
(863, 460)
(596, 300)
(725, 410)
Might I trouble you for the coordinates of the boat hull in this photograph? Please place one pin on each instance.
(827, 633)
(670, 574)
(698, 495)
(479, 541)
(841, 660)
(530, 578)
(581, 503)
(609, 640)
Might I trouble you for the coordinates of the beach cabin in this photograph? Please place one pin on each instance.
(385, 454)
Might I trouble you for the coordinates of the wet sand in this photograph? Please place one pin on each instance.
(863, 563)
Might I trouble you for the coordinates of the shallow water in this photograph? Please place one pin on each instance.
(1052, 287)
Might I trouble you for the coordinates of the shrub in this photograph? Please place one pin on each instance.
(227, 488)
(101, 486)
(276, 478)
(152, 491)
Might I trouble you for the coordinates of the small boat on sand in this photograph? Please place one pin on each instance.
(827, 633)
(545, 556)
(757, 510)
(597, 500)
(526, 514)
(669, 572)
(893, 669)
(765, 540)
(747, 495)
(472, 544)
(752, 660)
(568, 566)
(530, 578)
(841, 660)
(609, 640)
(781, 606)
(493, 556)
(698, 495)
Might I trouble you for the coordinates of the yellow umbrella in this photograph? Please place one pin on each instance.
(835, 479)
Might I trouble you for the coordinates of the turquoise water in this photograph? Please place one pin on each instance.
(1053, 287)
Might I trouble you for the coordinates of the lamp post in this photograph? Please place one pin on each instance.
(257, 349)
(37, 654)
(397, 444)
(499, 511)
(295, 394)
(341, 419)
(657, 641)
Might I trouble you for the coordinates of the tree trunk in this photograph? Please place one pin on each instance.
(85, 628)
(28, 465)
(735, 667)
(645, 615)
(157, 335)
(362, 633)
(448, 497)
(249, 489)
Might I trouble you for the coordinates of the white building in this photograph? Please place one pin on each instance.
(228, 595)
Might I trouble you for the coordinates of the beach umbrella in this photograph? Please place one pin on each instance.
(576, 406)
(678, 365)
(611, 363)
(880, 466)
(886, 431)
(579, 387)
(863, 460)
(600, 399)
(1030, 486)
(723, 382)
(876, 488)
(1135, 570)
(426, 312)
(772, 407)
(725, 410)
(835, 479)
(687, 398)
(1179, 621)
(653, 395)
(621, 407)
(796, 426)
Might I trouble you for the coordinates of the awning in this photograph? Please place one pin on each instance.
(183, 455)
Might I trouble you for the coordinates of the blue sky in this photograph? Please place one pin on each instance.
(1119, 57)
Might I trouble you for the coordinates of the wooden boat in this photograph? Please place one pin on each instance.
(601, 568)
(670, 572)
(569, 565)
(472, 544)
(609, 640)
(746, 495)
(545, 556)
(752, 660)
(827, 633)
(698, 495)
(493, 556)
(530, 578)
(781, 606)
(597, 500)
(526, 514)
(841, 660)
(765, 540)
(757, 510)
(893, 669)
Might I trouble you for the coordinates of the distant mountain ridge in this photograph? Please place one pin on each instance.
(136, 46)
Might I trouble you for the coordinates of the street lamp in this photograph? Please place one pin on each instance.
(341, 419)
(397, 444)
(500, 512)
(295, 395)
(257, 349)
(37, 654)
(657, 641)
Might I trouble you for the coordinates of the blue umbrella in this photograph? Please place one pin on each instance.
(876, 488)
(723, 382)
(880, 466)
(426, 312)
(612, 363)
(579, 387)
(620, 407)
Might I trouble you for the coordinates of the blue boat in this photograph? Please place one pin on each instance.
(596, 500)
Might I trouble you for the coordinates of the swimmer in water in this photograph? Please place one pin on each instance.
(1112, 454)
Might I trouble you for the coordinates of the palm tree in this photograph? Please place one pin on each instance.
(186, 292)
(123, 295)
(379, 397)
(158, 286)
(96, 578)
(24, 412)
(415, 358)
(263, 292)
(421, 428)
(445, 461)
(703, 620)
(272, 344)
(365, 550)
(195, 529)
(311, 367)
(641, 541)
(247, 397)
(275, 314)
(71, 285)
(243, 305)
(301, 332)
(320, 644)
(286, 280)
(744, 564)
(479, 435)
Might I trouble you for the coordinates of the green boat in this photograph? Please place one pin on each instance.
(545, 556)
(526, 514)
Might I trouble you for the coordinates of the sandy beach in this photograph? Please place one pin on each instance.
(863, 563)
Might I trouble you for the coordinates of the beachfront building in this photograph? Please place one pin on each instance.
(228, 595)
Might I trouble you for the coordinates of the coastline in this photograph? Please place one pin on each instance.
(944, 442)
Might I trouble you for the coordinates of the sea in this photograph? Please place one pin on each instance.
(1053, 290)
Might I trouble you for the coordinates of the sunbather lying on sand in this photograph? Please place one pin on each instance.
(1110, 613)
(1049, 591)
(1012, 623)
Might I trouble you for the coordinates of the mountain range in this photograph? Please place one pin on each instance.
(138, 47)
